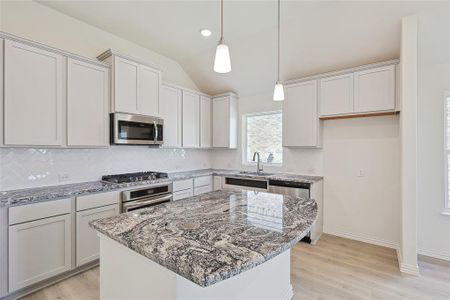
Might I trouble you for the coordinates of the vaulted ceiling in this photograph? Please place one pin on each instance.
(316, 36)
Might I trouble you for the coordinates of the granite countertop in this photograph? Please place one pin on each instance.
(55, 192)
(214, 236)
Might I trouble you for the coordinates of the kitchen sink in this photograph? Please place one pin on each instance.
(255, 173)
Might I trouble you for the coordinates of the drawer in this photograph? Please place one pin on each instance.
(97, 200)
(201, 181)
(182, 194)
(182, 185)
(202, 189)
(26, 213)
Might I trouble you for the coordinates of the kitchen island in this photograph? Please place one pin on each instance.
(220, 245)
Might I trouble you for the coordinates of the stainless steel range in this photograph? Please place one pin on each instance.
(145, 196)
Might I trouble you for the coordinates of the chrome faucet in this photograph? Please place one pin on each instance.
(259, 166)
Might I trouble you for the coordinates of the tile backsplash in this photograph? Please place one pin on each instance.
(25, 167)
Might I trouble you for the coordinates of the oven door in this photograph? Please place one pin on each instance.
(145, 202)
(136, 130)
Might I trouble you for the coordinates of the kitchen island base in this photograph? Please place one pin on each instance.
(125, 274)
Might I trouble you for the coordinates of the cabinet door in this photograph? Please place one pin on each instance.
(170, 111)
(217, 183)
(87, 104)
(205, 122)
(149, 87)
(221, 122)
(126, 76)
(34, 96)
(336, 95)
(39, 250)
(191, 120)
(375, 89)
(300, 117)
(87, 238)
(1, 98)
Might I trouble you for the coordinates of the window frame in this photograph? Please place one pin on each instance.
(446, 210)
(244, 138)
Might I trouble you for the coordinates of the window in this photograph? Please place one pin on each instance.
(263, 134)
(447, 147)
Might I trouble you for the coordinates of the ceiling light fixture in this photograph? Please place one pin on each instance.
(205, 32)
(222, 61)
(278, 91)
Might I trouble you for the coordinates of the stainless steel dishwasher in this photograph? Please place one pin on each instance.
(293, 189)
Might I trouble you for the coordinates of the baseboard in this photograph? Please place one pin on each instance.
(288, 294)
(406, 268)
(443, 256)
(365, 239)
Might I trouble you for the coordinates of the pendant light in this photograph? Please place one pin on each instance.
(222, 61)
(278, 91)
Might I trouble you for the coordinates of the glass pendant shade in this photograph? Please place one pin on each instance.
(222, 61)
(278, 92)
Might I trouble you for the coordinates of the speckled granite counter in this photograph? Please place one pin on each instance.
(33, 195)
(215, 236)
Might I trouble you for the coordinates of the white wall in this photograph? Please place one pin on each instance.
(36, 22)
(22, 168)
(363, 207)
(433, 81)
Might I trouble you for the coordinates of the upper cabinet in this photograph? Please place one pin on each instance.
(368, 90)
(375, 89)
(149, 91)
(125, 86)
(300, 116)
(336, 95)
(191, 120)
(1, 94)
(205, 122)
(87, 104)
(135, 86)
(170, 105)
(34, 95)
(225, 121)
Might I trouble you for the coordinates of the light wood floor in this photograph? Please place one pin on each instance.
(335, 268)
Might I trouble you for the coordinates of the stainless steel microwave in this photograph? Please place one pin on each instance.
(130, 129)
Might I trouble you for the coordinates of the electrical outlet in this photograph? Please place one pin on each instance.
(63, 177)
(361, 173)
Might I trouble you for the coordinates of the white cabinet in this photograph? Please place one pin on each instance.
(217, 183)
(205, 122)
(34, 96)
(125, 93)
(202, 185)
(336, 95)
(375, 90)
(1, 95)
(87, 104)
(183, 189)
(87, 241)
(39, 250)
(369, 91)
(170, 105)
(191, 120)
(135, 86)
(225, 121)
(300, 116)
(149, 87)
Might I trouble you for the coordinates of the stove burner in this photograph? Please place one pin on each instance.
(134, 177)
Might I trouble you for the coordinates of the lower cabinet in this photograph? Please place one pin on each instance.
(87, 240)
(39, 250)
(217, 183)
